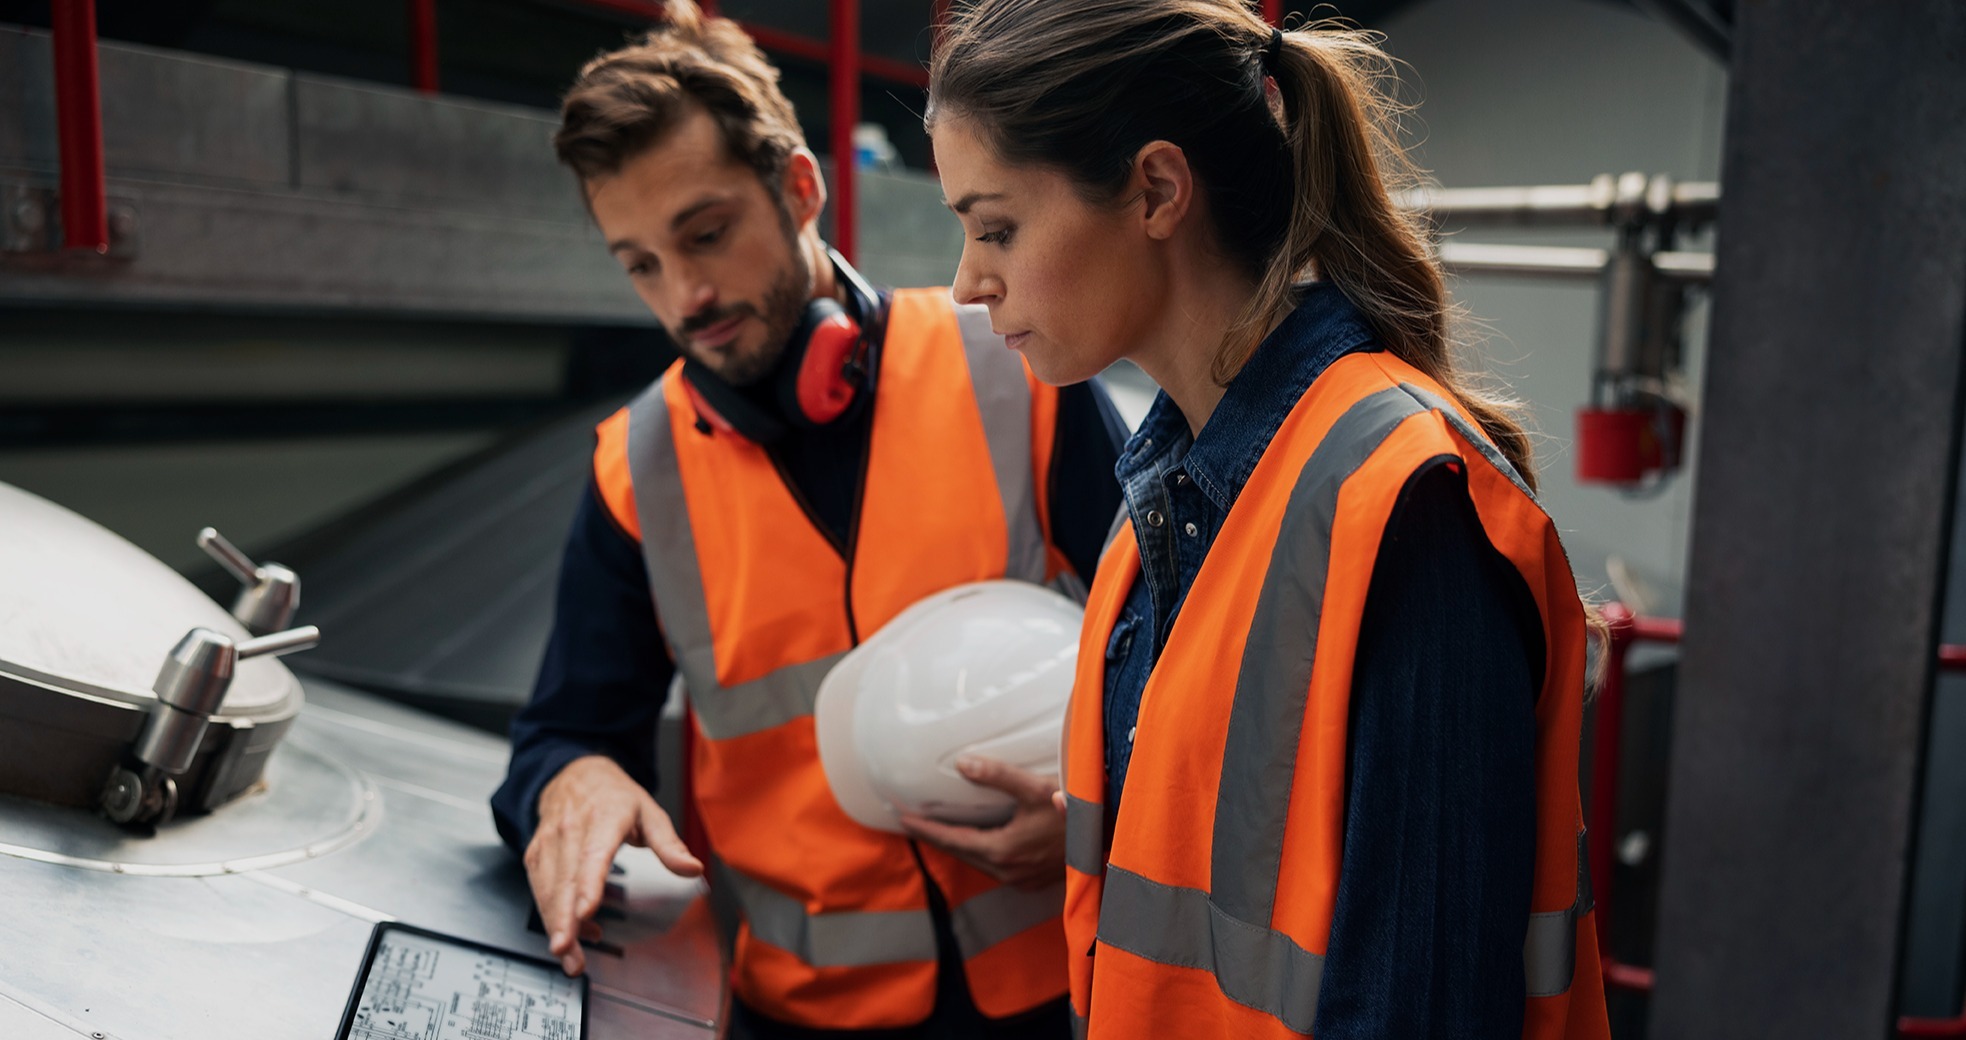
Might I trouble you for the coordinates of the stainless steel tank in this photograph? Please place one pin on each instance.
(304, 814)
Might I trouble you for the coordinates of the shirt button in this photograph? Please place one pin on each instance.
(1130, 731)
(1192, 530)
(1154, 519)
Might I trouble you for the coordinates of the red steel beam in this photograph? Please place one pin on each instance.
(843, 22)
(423, 45)
(78, 126)
(1273, 11)
(779, 41)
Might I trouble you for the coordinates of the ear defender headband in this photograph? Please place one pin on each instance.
(820, 380)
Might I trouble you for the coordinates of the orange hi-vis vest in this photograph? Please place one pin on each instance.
(1205, 913)
(756, 604)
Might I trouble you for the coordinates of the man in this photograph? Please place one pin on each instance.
(825, 455)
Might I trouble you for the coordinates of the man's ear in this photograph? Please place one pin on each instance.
(1164, 182)
(802, 188)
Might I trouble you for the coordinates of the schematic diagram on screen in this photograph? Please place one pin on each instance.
(422, 988)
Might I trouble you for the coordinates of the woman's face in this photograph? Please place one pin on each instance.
(1072, 285)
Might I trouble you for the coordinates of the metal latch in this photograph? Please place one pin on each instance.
(191, 686)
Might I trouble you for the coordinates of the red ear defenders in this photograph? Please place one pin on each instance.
(817, 382)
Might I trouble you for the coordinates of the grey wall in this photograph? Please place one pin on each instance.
(1555, 92)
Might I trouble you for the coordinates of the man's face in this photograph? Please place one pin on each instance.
(708, 248)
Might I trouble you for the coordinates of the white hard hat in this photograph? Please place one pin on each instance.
(980, 669)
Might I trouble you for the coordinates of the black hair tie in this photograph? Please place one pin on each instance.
(1273, 49)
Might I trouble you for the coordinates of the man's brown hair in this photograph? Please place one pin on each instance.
(628, 100)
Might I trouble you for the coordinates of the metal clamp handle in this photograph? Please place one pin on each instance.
(271, 593)
(228, 555)
(303, 638)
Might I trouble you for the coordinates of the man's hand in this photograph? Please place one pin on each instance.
(1028, 850)
(585, 814)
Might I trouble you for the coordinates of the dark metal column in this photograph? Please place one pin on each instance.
(1831, 422)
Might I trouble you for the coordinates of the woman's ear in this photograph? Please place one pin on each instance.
(1166, 184)
(803, 189)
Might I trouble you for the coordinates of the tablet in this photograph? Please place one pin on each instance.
(420, 984)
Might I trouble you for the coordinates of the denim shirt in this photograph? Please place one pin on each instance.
(1179, 489)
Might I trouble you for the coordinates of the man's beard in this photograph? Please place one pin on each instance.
(781, 311)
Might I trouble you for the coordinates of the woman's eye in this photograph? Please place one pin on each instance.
(639, 268)
(995, 238)
(709, 238)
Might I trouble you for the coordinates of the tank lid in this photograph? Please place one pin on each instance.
(83, 610)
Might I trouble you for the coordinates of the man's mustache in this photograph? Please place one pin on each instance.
(698, 322)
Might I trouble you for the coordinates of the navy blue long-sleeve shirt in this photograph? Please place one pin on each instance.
(1434, 885)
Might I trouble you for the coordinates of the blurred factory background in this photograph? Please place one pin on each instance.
(347, 310)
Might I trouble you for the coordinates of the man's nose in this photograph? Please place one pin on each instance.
(695, 293)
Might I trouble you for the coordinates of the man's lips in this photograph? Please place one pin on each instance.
(1015, 340)
(719, 334)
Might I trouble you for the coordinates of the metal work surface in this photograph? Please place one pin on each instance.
(272, 948)
(1820, 521)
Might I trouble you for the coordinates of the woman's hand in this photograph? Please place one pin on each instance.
(1027, 850)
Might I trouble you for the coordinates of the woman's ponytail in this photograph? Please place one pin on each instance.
(1341, 122)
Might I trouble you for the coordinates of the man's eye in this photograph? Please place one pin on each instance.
(709, 238)
(640, 268)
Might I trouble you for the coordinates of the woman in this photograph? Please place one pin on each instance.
(1322, 752)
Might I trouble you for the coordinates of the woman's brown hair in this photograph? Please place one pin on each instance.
(1298, 182)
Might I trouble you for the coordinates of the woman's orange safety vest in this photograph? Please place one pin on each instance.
(756, 605)
(1205, 913)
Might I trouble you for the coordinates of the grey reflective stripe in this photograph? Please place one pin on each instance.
(1085, 835)
(1002, 913)
(668, 547)
(1255, 966)
(1549, 950)
(1472, 435)
(773, 699)
(1078, 1025)
(837, 939)
(1266, 719)
(676, 582)
(1003, 399)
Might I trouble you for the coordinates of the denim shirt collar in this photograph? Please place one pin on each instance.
(1324, 327)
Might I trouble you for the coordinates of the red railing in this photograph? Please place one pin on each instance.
(1627, 630)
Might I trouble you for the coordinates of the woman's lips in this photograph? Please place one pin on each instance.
(1015, 340)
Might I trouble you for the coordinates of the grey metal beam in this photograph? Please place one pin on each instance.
(1833, 400)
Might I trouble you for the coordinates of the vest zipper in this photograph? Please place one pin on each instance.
(853, 525)
(846, 550)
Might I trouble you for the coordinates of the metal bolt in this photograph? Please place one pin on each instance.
(98, 1035)
(122, 221)
(28, 216)
(1634, 848)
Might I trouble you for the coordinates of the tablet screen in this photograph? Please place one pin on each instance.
(419, 984)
